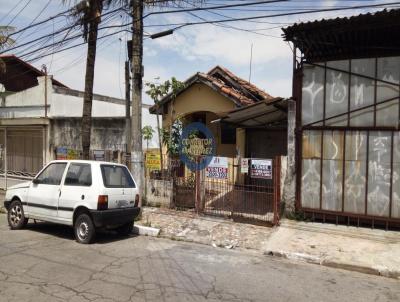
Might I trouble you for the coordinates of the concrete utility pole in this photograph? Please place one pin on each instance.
(128, 113)
(137, 74)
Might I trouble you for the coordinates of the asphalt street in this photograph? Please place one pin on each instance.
(44, 263)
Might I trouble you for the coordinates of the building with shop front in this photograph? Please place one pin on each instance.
(346, 91)
(40, 120)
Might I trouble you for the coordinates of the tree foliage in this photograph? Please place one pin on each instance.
(169, 137)
(5, 41)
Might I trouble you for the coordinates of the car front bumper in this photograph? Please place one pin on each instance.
(114, 217)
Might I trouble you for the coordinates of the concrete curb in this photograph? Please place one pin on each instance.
(144, 230)
(378, 271)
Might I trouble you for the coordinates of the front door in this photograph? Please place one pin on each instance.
(43, 195)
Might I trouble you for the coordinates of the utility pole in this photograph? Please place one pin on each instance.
(128, 114)
(137, 74)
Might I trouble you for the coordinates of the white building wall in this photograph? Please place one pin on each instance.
(30, 103)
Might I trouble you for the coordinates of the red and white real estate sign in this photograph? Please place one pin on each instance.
(218, 168)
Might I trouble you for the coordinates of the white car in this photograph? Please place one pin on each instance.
(84, 194)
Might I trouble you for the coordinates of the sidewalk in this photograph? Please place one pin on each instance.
(218, 232)
(358, 249)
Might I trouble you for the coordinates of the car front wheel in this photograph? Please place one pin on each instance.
(84, 229)
(15, 216)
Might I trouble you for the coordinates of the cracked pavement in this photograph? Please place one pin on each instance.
(44, 263)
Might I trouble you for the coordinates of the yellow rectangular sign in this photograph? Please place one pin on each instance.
(153, 161)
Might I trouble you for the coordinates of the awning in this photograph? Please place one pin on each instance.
(363, 36)
(261, 114)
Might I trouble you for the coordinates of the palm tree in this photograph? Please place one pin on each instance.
(147, 133)
(89, 17)
(5, 41)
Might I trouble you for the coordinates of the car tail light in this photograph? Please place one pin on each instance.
(102, 202)
(137, 200)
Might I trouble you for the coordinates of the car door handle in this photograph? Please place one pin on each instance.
(59, 193)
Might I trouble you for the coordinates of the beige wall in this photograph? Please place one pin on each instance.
(200, 98)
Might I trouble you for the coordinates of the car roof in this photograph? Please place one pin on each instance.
(81, 161)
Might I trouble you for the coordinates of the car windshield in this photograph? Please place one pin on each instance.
(116, 177)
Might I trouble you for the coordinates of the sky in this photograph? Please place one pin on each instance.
(188, 50)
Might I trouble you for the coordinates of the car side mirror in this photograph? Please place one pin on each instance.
(35, 181)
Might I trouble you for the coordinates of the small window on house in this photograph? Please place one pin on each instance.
(228, 134)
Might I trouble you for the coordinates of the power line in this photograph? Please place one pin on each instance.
(76, 45)
(230, 26)
(212, 7)
(29, 1)
(54, 33)
(59, 43)
(151, 13)
(41, 22)
(180, 25)
(10, 11)
(34, 19)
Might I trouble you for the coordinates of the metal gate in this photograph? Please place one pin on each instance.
(240, 198)
(255, 200)
(21, 155)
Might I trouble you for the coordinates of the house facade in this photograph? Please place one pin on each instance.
(40, 120)
(346, 90)
(210, 97)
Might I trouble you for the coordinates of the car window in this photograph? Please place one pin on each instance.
(79, 175)
(116, 177)
(53, 174)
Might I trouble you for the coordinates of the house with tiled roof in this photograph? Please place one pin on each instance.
(210, 97)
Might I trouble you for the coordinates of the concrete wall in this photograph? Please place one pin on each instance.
(289, 188)
(107, 134)
(159, 192)
(26, 103)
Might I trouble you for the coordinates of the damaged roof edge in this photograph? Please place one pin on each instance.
(224, 82)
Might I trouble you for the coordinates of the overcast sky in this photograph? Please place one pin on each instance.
(189, 50)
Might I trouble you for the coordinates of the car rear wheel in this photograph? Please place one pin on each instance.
(125, 229)
(16, 217)
(84, 229)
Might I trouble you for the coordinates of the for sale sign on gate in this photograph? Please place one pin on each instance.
(261, 168)
(244, 165)
(218, 168)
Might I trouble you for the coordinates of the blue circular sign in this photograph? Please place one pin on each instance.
(194, 151)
